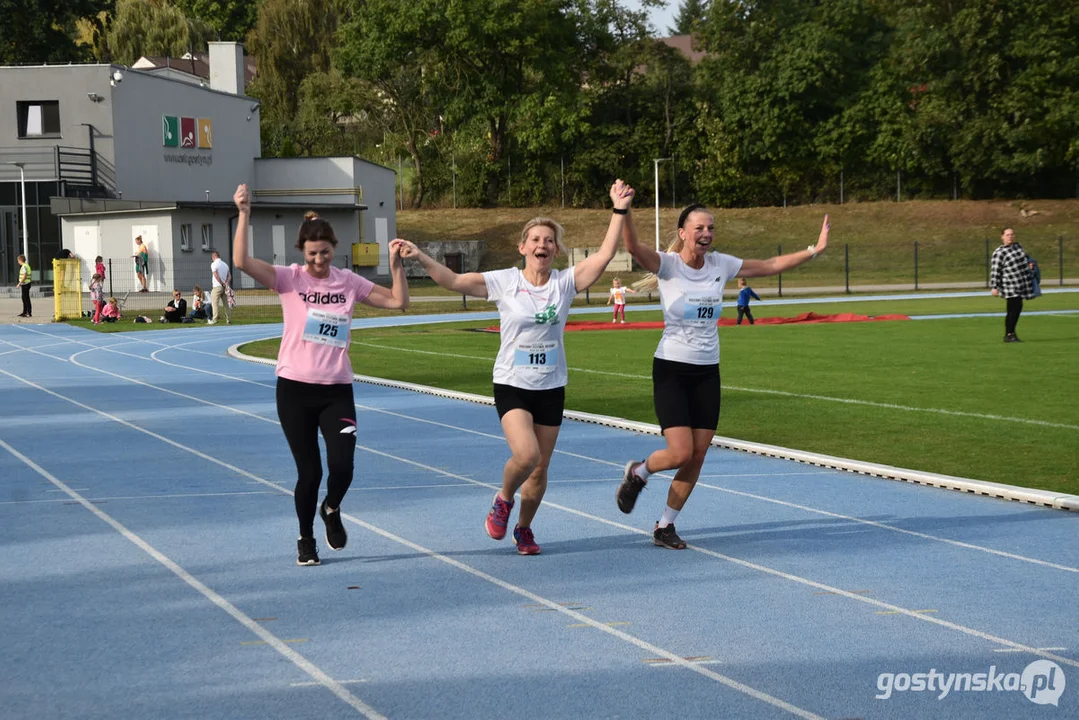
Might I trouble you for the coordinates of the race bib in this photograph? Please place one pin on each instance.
(541, 357)
(701, 309)
(327, 328)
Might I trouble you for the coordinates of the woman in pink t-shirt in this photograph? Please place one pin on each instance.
(314, 374)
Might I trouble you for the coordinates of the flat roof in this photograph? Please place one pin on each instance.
(108, 206)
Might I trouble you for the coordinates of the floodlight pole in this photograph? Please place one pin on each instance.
(25, 227)
(656, 162)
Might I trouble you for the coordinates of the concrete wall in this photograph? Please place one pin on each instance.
(70, 86)
(113, 237)
(148, 170)
(472, 252)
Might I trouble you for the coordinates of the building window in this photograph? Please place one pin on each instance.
(185, 237)
(207, 237)
(38, 118)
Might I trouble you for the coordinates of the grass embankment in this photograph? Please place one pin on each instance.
(943, 395)
(951, 236)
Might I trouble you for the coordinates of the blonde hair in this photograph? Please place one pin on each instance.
(650, 283)
(557, 229)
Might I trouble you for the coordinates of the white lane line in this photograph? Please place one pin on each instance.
(311, 669)
(762, 391)
(264, 635)
(894, 528)
(138, 497)
(499, 438)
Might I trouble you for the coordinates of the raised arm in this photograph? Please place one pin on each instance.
(466, 283)
(645, 256)
(782, 263)
(586, 272)
(261, 270)
(396, 297)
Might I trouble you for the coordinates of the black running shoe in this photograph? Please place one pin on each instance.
(630, 488)
(307, 552)
(668, 538)
(336, 537)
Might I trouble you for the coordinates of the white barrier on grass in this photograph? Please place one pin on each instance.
(1044, 498)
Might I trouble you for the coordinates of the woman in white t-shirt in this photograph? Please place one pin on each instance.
(685, 369)
(530, 371)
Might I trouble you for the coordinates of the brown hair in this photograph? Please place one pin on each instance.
(315, 228)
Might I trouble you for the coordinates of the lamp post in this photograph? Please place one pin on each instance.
(25, 227)
(656, 162)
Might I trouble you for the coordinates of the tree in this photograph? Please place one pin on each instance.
(230, 19)
(292, 39)
(152, 27)
(690, 14)
(44, 31)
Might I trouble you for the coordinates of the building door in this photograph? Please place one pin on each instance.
(279, 245)
(453, 262)
(10, 246)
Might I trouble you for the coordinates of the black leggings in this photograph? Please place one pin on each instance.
(744, 310)
(1015, 307)
(304, 409)
(26, 299)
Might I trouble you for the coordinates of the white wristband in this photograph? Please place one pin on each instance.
(812, 251)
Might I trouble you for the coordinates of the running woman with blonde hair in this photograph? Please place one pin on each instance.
(685, 369)
(314, 372)
(530, 372)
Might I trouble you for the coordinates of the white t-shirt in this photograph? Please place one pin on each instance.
(533, 320)
(692, 301)
(619, 295)
(221, 268)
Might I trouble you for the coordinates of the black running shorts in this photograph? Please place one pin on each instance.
(685, 395)
(545, 405)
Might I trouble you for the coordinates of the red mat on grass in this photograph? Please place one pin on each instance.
(579, 325)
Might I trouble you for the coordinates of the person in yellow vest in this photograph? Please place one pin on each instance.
(25, 276)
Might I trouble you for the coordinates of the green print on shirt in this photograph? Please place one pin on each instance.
(549, 315)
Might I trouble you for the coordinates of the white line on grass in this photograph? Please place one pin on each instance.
(269, 638)
(762, 391)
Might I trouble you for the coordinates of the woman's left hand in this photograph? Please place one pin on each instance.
(822, 239)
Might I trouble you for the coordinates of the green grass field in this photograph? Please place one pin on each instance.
(943, 395)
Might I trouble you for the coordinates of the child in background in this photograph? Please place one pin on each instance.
(111, 312)
(99, 267)
(618, 295)
(97, 296)
(744, 292)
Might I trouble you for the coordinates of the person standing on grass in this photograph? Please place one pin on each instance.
(221, 277)
(314, 373)
(530, 372)
(685, 369)
(618, 296)
(25, 278)
(744, 293)
(97, 296)
(1011, 274)
(142, 262)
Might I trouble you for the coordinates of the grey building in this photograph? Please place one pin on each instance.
(108, 153)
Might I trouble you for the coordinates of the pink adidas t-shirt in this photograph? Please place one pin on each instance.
(318, 321)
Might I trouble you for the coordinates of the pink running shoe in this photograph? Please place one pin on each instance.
(526, 543)
(498, 518)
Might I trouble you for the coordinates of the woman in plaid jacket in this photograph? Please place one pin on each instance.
(1011, 277)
